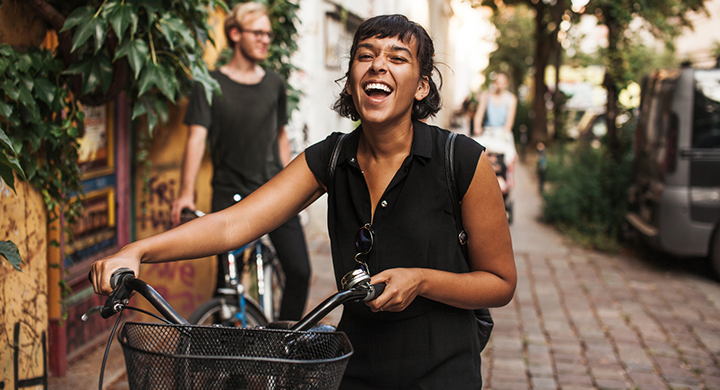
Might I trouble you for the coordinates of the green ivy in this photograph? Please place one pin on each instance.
(9, 251)
(151, 48)
(38, 124)
(162, 42)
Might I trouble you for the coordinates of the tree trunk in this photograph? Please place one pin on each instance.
(558, 102)
(542, 53)
(615, 67)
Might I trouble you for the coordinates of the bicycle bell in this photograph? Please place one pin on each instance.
(357, 276)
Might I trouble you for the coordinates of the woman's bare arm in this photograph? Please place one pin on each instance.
(480, 113)
(268, 207)
(492, 279)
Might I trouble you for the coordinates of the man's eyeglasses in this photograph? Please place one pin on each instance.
(259, 33)
(364, 243)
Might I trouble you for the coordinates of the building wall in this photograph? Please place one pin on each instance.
(23, 295)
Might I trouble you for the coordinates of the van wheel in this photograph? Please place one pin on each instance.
(715, 252)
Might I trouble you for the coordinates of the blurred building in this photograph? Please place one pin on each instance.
(700, 45)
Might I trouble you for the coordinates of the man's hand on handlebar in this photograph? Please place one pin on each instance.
(101, 270)
(177, 207)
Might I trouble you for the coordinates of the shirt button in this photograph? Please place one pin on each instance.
(383, 204)
(352, 159)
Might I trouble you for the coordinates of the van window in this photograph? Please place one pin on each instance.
(706, 112)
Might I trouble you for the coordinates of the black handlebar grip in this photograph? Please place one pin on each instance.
(118, 274)
(376, 291)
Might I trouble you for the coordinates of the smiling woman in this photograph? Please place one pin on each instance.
(388, 186)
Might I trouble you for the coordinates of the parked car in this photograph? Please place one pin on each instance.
(582, 121)
(675, 183)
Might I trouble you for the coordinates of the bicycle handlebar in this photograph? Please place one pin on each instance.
(123, 282)
(366, 292)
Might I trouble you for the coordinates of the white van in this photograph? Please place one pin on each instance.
(675, 183)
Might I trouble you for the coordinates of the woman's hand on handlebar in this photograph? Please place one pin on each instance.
(401, 289)
(101, 270)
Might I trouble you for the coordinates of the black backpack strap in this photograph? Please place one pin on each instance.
(452, 187)
(334, 156)
(483, 318)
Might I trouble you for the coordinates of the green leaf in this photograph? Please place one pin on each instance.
(4, 63)
(10, 88)
(45, 90)
(25, 96)
(79, 16)
(121, 15)
(94, 27)
(138, 110)
(136, 52)
(5, 109)
(5, 140)
(100, 73)
(13, 164)
(150, 76)
(172, 27)
(81, 67)
(6, 50)
(168, 82)
(6, 172)
(10, 252)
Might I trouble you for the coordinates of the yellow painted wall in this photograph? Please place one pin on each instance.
(23, 295)
(185, 284)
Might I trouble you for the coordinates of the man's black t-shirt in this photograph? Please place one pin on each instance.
(242, 129)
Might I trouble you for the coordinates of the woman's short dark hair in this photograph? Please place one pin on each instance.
(399, 26)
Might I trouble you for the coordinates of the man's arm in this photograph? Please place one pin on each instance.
(194, 151)
(284, 146)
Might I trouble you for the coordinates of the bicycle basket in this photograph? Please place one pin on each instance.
(159, 356)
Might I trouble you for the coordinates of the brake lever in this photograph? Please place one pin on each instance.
(120, 296)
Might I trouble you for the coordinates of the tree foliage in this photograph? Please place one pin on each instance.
(664, 18)
(514, 40)
(548, 15)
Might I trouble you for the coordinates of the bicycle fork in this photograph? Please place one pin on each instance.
(235, 289)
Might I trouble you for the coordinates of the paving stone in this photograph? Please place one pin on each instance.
(565, 380)
(643, 379)
(543, 383)
(609, 384)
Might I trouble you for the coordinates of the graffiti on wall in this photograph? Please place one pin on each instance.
(183, 276)
(41, 380)
(161, 196)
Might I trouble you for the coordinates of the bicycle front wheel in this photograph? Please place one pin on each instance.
(225, 310)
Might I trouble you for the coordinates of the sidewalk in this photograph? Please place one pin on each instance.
(584, 320)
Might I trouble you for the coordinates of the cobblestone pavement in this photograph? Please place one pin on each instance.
(584, 320)
(579, 320)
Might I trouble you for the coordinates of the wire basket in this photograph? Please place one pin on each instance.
(159, 356)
